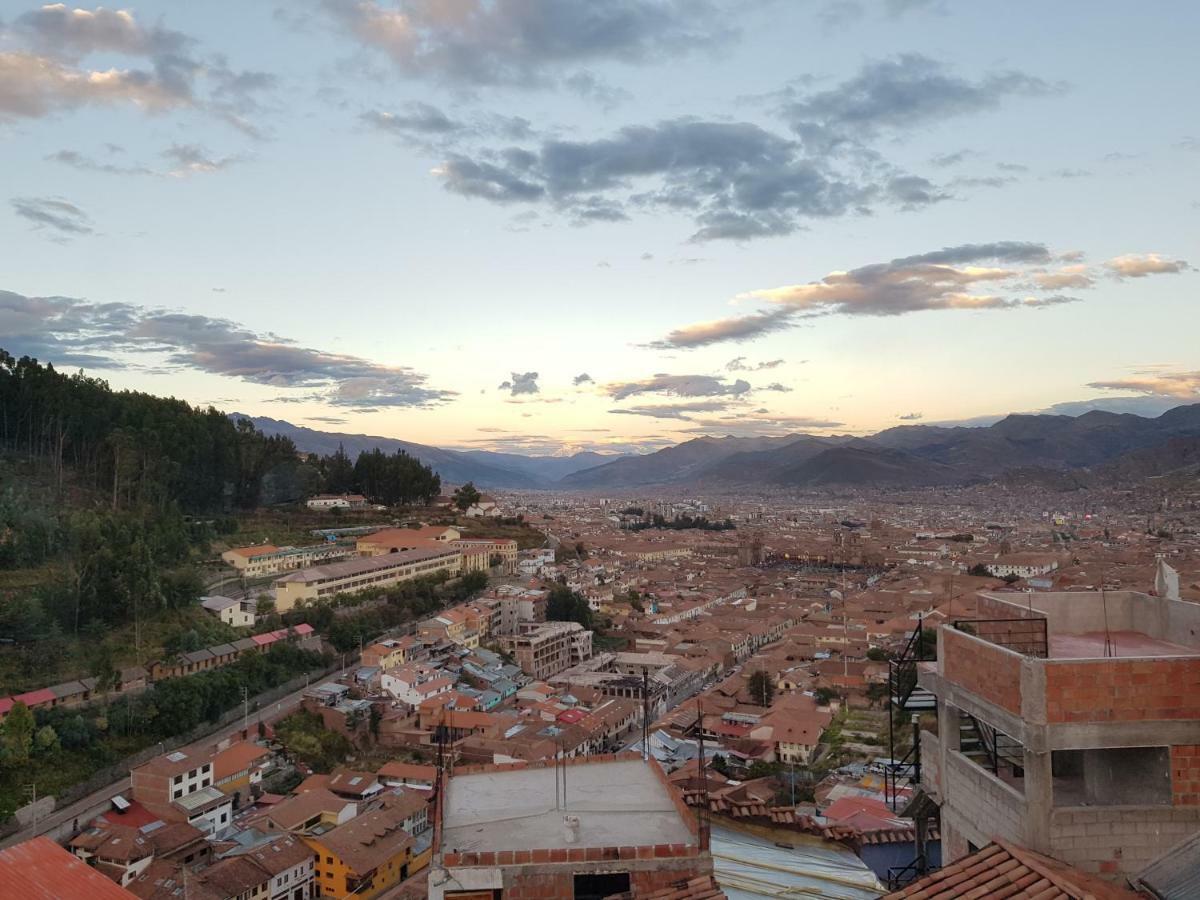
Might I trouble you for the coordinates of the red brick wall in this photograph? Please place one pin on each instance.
(1123, 690)
(982, 668)
(1185, 775)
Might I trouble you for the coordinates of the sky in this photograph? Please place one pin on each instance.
(546, 226)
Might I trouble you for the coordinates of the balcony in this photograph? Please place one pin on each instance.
(1072, 659)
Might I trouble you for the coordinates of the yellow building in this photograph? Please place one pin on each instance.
(397, 540)
(362, 573)
(367, 855)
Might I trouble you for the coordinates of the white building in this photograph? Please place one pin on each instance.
(228, 610)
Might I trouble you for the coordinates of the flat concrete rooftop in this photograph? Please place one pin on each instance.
(619, 803)
(1090, 645)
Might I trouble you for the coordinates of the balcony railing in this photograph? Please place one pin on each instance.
(1025, 636)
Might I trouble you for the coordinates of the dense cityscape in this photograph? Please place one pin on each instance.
(599, 450)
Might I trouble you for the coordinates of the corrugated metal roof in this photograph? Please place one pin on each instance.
(1176, 874)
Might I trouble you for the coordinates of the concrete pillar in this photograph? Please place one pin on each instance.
(1039, 800)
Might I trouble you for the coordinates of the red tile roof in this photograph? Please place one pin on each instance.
(39, 869)
(1003, 870)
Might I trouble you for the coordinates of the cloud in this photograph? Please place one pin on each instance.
(942, 160)
(68, 331)
(760, 424)
(521, 383)
(192, 159)
(736, 180)
(1140, 265)
(1052, 300)
(34, 86)
(736, 328)
(1176, 385)
(523, 42)
(75, 33)
(778, 388)
(678, 386)
(739, 364)
(65, 218)
(418, 118)
(903, 93)
(681, 411)
(944, 279)
(327, 420)
(581, 378)
(837, 14)
(911, 417)
(1076, 276)
(938, 280)
(84, 163)
(48, 74)
(589, 87)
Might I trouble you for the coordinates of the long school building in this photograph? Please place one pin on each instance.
(359, 574)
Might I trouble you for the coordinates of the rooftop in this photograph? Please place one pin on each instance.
(618, 802)
(364, 564)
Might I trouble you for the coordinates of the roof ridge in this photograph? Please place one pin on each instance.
(1033, 860)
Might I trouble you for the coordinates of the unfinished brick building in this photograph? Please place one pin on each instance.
(1068, 723)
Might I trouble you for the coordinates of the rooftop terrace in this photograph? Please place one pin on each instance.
(618, 803)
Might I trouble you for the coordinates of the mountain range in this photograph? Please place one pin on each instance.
(484, 467)
(1108, 445)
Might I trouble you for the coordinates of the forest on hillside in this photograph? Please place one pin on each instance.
(109, 498)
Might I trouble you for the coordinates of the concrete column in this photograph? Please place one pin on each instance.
(1039, 800)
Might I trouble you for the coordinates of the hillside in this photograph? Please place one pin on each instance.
(682, 462)
(905, 455)
(485, 468)
(868, 466)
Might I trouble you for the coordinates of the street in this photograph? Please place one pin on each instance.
(61, 822)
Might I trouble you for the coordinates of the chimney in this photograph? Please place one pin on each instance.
(571, 829)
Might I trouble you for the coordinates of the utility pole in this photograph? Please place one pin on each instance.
(245, 712)
(32, 788)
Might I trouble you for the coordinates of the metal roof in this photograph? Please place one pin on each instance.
(1176, 874)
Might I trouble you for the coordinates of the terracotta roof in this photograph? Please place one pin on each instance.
(1002, 870)
(237, 758)
(369, 840)
(39, 869)
(408, 771)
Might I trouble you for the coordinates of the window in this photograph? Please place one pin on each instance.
(599, 885)
(175, 795)
(1114, 776)
(178, 778)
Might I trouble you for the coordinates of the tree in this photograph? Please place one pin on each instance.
(979, 570)
(762, 687)
(466, 496)
(19, 727)
(877, 654)
(46, 739)
(565, 605)
(825, 695)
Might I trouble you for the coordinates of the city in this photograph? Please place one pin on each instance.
(599, 450)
